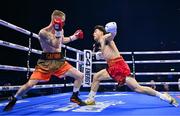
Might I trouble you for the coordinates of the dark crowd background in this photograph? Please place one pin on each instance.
(143, 25)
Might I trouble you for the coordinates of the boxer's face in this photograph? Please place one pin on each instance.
(57, 16)
(97, 34)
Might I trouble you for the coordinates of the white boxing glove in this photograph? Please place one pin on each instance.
(99, 56)
(111, 27)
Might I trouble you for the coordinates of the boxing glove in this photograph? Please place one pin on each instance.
(77, 35)
(99, 56)
(111, 27)
(58, 25)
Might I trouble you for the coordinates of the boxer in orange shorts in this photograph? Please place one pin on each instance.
(117, 68)
(52, 61)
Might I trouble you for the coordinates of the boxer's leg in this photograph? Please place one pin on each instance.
(99, 76)
(134, 85)
(19, 93)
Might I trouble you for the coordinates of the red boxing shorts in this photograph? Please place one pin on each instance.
(118, 69)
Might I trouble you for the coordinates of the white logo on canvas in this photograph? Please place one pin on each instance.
(90, 108)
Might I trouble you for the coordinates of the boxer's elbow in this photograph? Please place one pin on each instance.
(110, 37)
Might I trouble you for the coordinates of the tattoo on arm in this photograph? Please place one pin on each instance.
(48, 38)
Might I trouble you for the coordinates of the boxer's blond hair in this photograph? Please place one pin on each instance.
(58, 13)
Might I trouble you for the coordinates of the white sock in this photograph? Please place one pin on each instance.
(75, 89)
(92, 94)
(163, 97)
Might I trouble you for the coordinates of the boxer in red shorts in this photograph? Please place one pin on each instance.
(117, 68)
(52, 61)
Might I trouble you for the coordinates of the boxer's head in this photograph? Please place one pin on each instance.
(99, 31)
(58, 13)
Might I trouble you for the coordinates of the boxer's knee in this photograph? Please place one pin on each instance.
(81, 76)
(77, 75)
(30, 84)
(95, 77)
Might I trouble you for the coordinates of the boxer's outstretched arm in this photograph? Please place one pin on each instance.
(77, 35)
(66, 40)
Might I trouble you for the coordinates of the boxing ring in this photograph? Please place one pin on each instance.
(108, 103)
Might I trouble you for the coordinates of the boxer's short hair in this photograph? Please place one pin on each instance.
(58, 13)
(101, 28)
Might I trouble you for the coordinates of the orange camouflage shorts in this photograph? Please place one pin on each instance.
(50, 64)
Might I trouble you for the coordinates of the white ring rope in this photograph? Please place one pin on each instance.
(19, 47)
(145, 83)
(158, 52)
(125, 53)
(73, 49)
(17, 68)
(11, 45)
(15, 46)
(9, 88)
(73, 60)
(149, 52)
(104, 62)
(155, 73)
(158, 61)
(143, 61)
(14, 27)
(14, 68)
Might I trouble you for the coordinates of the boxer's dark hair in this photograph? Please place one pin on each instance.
(101, 28)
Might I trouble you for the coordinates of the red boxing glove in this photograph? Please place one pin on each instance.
(79, 34)
(57, 24)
